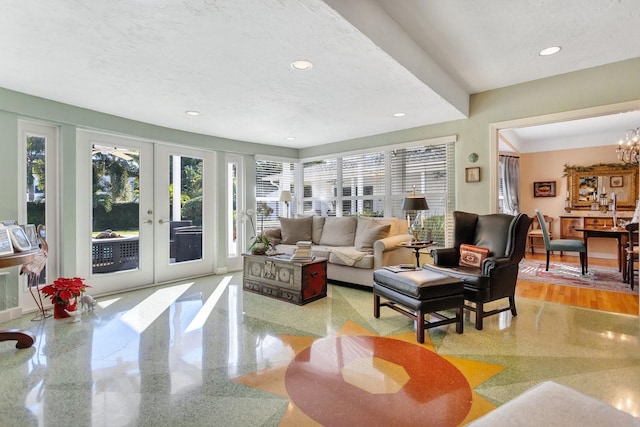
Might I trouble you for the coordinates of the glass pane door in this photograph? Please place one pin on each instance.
(115, 186)
(152, 210)
(184, 224)
(116, 210)
(185, 205)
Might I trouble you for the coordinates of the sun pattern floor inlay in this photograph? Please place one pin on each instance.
(359, 378)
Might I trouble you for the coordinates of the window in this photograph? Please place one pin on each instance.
(429, 169)
(320, 183)
(272, 177)
(363, 187)
(39, 191)
(372, 183)
(509, 184)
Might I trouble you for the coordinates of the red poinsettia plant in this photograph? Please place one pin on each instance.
(63, 289)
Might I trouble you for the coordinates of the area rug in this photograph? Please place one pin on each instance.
(568, 274)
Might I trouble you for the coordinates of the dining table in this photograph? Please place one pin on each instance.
(619, 233)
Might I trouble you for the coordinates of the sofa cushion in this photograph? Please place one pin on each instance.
(274, 236)
(316, 231)
(365, 236)
(472, 256)
(338, 231)
(294, 230)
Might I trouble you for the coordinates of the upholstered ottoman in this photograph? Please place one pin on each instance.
(415, 293)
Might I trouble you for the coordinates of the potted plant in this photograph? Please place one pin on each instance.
(64, 293)
(260, 244)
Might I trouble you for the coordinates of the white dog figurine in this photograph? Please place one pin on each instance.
(87, 303)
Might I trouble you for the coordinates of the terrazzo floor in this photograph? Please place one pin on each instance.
(205, 353)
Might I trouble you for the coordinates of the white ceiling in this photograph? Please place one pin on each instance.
(229, 59)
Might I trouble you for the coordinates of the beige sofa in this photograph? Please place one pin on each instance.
(353, 246)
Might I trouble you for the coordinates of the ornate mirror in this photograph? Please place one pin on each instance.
(586, 184)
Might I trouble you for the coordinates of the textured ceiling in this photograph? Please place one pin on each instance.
(229, 59)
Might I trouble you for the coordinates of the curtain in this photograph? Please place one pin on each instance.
(510, 184)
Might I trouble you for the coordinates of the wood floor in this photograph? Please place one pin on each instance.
(571, 295)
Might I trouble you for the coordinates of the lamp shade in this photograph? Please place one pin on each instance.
(414, 203)
(285, 196)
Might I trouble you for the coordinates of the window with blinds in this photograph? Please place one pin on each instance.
(272, 177)
(430, 171)
(363, 187)
(371, 184)
(320, 180)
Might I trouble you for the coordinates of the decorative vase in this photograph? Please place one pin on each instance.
(60, 307)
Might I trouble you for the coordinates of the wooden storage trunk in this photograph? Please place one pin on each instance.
(298, 283)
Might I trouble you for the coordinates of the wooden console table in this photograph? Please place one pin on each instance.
(25, 339)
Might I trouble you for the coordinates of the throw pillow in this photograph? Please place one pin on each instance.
(364, 241)
(294, 230)
(274, 236)
(316, 232)
(338, 231)
(472, 256)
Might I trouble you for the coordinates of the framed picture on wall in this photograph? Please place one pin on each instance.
(616, 181)
(544, 189)
(472, 174)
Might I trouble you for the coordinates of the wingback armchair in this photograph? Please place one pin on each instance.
(495, 276)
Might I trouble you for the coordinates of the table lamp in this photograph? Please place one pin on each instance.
(414, 203)
(285, 196)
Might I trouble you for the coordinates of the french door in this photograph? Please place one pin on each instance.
(147, 203)
(184, 220)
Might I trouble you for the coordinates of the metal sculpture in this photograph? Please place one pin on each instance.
(33, 270)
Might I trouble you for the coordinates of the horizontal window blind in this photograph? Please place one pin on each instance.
(428, 170)
(320, 180)
(363, 185)
(370, 184)
(272, 177)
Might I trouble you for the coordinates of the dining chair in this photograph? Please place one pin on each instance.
(566, 245)
(632, 251)
(534, 236)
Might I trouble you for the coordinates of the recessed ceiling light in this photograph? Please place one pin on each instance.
(290, 138)
(550, 51)
(399, 114)
(192, 113)
(301, 65)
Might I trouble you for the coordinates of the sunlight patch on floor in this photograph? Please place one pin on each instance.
(204, 312)
(140, 317)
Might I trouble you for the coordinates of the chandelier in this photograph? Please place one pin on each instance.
(629, 148)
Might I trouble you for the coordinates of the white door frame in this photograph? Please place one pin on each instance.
(234, 261)
(51, 134)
